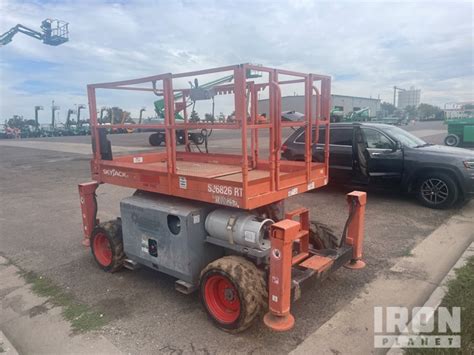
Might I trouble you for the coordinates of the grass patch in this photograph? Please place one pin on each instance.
(82, 317)
(460, 294)
(407, 252)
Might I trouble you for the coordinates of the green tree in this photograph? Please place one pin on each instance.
(427, 111)
(387, 108)
(411, 112)
(17, 122)
(221, 117)
(194, 117)
(231, 117)
(209, 118)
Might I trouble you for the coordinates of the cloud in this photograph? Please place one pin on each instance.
(367, 47)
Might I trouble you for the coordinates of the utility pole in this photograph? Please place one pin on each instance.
(37, 108)
(53, 110)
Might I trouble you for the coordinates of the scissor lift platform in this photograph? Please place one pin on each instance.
(245, 181)
(214, 179)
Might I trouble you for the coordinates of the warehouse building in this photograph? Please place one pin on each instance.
(343, 103)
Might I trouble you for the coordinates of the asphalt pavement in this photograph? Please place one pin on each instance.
(41, 231)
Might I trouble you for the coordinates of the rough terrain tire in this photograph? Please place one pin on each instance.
(107, 245)
(322, 236)
(155, 139)
(446, 183)
(246, 282)
(452, 140)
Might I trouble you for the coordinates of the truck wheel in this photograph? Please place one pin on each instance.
(437, 190)
(197, 138)
(180, 137)
(452, 140)
(107, 245)
(233, 292)
(322, 237)
(155, 139)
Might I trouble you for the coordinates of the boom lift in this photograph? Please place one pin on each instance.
(216, 222)
(53, 32)
(37, 109)
(360, 115)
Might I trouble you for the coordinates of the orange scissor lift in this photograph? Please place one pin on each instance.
(239, 193)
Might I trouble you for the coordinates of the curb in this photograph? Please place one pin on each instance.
(439, 292)
(36, 328)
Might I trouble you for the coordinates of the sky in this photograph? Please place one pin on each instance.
(367, 47)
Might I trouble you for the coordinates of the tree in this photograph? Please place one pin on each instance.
(221, 117)
(387, 108)
(209, 118)
(427, 111)
(16, 122)
(194, 117)
(231, 117)
(411, 112)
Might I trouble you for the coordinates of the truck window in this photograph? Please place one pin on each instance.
(376, 139)
(340, 136)
(301, 138)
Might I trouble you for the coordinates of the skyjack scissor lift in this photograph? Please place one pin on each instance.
(216, 221)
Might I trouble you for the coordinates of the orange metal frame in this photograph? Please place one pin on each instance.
(290, 251)
(88, 209)
(244, 181)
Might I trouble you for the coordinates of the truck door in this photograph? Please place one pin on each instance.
(340, 150)
(384, 158)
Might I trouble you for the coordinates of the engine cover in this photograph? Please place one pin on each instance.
(167, 234)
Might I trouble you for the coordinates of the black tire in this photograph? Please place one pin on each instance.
(246, 282)
(321, 236)
(111, 232)
(452, 140)
(437, 190)
(155, 139)
(180, 137)
(197, 138)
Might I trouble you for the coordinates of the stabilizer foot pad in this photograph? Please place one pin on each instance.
(279, 323)
(355, 265)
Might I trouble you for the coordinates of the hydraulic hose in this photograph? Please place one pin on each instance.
(352, 210)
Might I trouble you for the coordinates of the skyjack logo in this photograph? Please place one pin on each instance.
(114, 172)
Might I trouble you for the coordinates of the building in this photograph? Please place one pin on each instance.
(343, 103)
(408, 98)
